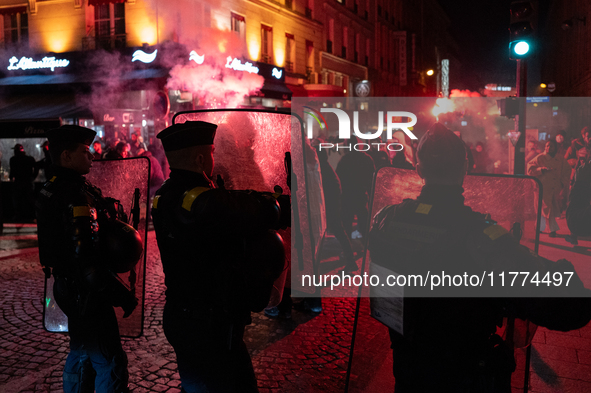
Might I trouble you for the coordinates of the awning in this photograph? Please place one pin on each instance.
(38, 80)
(71, 78)
(276, 90)
(32, 128)
(41, 107)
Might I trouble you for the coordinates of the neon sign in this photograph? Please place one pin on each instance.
(277, 73)
(143, 56)
(196, 58)
(27, 63)
(237, 65)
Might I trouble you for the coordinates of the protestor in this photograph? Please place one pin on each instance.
(45, 162)
(554, 173)
(137, 145)
(531, 150)
(121, 151)
(449, 344)
(70, 212)
(23, 171)
(220, 256)
(98, 150)
(562, 147)
(578, 152)
(155, 147)
(355, 170)
(578, 213)
(156, 176)
(561, 143)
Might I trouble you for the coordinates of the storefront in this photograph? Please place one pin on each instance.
(115, 93)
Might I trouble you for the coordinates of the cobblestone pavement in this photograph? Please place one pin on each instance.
(305, 354)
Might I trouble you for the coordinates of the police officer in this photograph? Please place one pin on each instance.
(69, 211)
(220, 259)
(449, 344)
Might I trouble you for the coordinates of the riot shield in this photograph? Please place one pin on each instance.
(512, 201)
(250, 153)
(126, 180)
(309, 212)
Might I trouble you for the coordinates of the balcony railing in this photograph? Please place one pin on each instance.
(266, 58)
(289, 66)
(115, 41)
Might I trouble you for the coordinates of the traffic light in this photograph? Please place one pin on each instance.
(522, 29)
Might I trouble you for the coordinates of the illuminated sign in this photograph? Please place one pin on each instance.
(237, 65)
(143, 56)
(196, 58)
(276, 73)
(27, 63)
(108, 117)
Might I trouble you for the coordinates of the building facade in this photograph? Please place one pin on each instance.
(124, 66)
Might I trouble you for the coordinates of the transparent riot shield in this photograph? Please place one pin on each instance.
(126, 180)
(250, 153)
(309, 212)
(510, 200)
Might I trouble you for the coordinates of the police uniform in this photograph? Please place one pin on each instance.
(220, 260)
(449, 344)
(69, 210)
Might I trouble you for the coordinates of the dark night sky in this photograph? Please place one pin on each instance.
(480, 27)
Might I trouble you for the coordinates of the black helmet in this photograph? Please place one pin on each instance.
(120, 244)
(441, 152)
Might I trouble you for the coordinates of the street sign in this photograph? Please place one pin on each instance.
(538, 99)
(513, 137)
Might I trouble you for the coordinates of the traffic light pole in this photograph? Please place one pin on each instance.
(519, 157)
(519, 166)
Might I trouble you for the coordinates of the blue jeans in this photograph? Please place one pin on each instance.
(96, 360)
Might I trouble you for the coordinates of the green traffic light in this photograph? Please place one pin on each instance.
(521, 48)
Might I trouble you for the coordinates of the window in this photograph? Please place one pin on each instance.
(290, 52)
(266, 44)
(355, 7)
(357, 46)
(367, 46)
(109, 26)
(330, 39)
(309, 57)
(16, 26)
(309, 8)
(238, 25)
(289, 4)
(345, 42)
